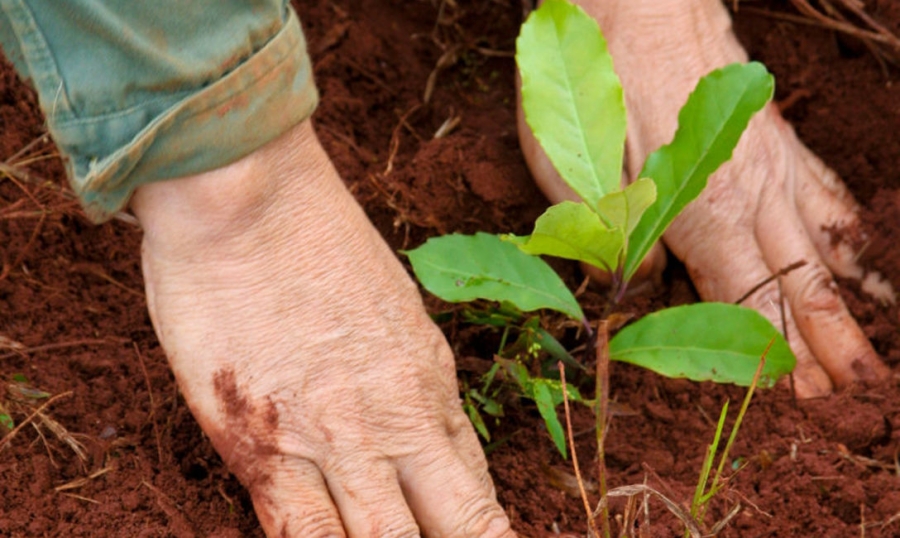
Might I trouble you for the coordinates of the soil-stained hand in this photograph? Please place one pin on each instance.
(773, 204)
(303, 349)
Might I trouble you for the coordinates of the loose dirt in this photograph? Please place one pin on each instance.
(73, 316)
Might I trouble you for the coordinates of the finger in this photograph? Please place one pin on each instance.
(468, 447)
(821, 316)
(292, 500)
(830, 215)
(368, 495)
(809, 378)
(727, 274)
(451, 500)
(827, 211)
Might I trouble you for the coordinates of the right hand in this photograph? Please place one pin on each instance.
(773, 204)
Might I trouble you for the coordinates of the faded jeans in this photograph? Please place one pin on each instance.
(136, 92)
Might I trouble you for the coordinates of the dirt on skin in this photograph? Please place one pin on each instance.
(73, 319)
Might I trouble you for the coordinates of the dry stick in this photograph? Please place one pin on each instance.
(24, 149)
(394, 145)
(787, 338)
(878, 33)
(6, 440)
(602, 388)
(784, 330)
(159, 454)
(59, 345)
(780, 273)
(20, 257)
(814, 18)
(46, 444)
(862, 520)
(12, 170)
(592, 523)
(79, 482)
(97, 272)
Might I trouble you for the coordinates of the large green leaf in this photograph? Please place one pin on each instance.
(705, 342)
(573, 231)
(709, 127)
(572, 98)
(459, 268)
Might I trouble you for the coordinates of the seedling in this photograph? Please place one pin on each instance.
(573, 102)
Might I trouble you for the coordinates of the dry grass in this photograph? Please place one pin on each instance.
(846, 17)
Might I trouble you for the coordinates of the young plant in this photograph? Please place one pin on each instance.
(573, 102)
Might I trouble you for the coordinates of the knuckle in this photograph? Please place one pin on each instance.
(320, 528)
(816, 292)
(313, 524)
(767, 301)
(400, 529)
(485, 519)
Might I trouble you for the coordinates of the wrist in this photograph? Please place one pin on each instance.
(225, 205)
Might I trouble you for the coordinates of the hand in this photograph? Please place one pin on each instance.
(773, 204)
(304, 351)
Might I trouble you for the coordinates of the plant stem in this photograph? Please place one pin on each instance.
(592, 522)
(602, 387)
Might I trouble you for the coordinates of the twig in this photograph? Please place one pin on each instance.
(592, 522)
(81, 498)
(159, 454)
(96, 271)
(878, 34)
(59, 345)
(672, 506)
(395, 139)
(78, 482)
(780, 273)
(6, 440)
(20, 257)
(602, 396)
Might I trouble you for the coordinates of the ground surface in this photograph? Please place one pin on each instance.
(70, 294)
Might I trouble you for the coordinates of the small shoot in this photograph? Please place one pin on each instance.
(702, 495)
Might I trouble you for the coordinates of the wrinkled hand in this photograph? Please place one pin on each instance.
(304, 351)
(773, 204)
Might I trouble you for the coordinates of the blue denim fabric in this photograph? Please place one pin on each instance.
(136, 92)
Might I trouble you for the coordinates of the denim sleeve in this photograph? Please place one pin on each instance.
(136, 92)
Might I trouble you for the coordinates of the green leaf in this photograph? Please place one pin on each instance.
(556, 350)
(624, 209)
(547, 394)
(572, 98)
(574, 231)
(7, 422)
(460, 268)
(705, 342)
(476, 420)
(543, 397)
(709, 127)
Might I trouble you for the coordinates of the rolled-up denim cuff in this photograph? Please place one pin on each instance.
(198, 130)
